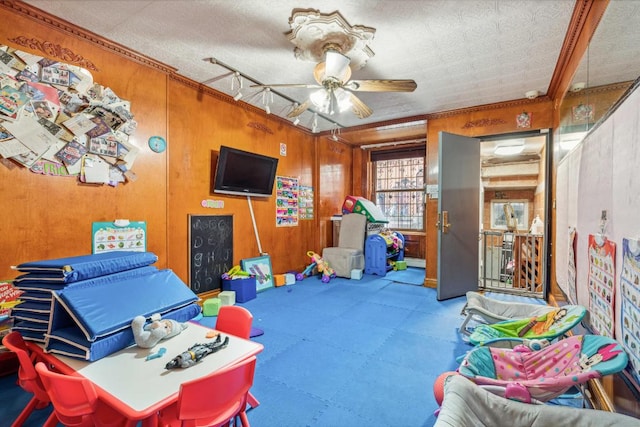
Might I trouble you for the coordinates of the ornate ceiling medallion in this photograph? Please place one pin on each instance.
(313, 33)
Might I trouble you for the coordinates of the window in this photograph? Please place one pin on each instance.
(399, 187)
(520, 212)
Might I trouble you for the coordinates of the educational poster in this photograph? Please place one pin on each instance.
(630, 308)
(602, 255)
(305, 202)
(119, 236)
(286, 201)
(571, 278)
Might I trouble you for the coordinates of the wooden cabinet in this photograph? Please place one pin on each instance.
(414, 246)
(527, 255)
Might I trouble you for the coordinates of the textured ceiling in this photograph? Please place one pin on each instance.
(460, 53)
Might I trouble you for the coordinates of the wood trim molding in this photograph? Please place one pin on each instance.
(430, 283)
(260, 126)
(584, 22)
(229, 100)
(483, 123)
(38, 15)
(52, 50)
(494, 106)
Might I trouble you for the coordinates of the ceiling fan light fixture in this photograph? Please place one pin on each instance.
(320, 73)
(321, 99)
(343, 99)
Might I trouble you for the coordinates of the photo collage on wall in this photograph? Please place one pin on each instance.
(55, 120)
(630, 313)
(286, 201)
(602, 255)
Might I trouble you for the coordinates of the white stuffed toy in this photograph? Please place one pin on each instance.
(147, 336)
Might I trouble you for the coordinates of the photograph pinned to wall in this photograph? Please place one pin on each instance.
(305, 202)
(523, 120)
(286, 201)
(630, 288)
(260, 267)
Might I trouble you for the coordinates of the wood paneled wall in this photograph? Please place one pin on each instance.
(473, 122)
(50, 217)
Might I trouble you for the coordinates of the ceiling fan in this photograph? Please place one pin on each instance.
(335, 89)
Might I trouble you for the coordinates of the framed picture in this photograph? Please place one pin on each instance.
(261, 268)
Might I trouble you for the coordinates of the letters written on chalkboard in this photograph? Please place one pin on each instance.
(210, 250)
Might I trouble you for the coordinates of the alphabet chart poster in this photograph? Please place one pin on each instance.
(286, 201)
(630, 312)
(602, 255)
(305, 202)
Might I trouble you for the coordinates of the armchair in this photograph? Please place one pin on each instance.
(349, 254)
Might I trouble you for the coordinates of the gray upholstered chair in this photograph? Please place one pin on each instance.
(349, 254)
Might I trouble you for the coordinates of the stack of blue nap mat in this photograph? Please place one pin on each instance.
(83, 306)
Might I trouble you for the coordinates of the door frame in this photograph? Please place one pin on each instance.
(548, 199)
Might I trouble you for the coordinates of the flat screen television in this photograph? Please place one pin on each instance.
(242, 173)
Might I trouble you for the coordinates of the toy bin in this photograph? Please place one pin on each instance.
(244, 288)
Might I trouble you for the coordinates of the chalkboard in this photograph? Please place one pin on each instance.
(210, 250)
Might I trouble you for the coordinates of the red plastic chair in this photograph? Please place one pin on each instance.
(212, 400)
(28, 379)
(236, 320)
(76, 402)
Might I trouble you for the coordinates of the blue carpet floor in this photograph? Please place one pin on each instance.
(350, 352)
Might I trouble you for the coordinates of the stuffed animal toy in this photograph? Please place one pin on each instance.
(147, 336)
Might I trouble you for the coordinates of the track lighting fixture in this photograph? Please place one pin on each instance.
(237, 77)
(267, 99)
(335, 133)
(336, 100)
(215, 79)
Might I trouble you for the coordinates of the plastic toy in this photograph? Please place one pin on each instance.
(196, 352)
(157, 354)
(147, 336)
(235, 272)
(323, 266)
(438, 386)
(392, 239)
(308, 271)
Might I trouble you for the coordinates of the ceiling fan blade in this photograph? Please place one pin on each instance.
(382, 85)
(299, 109)
(336, 64)
(300, 85)
(360, 109)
